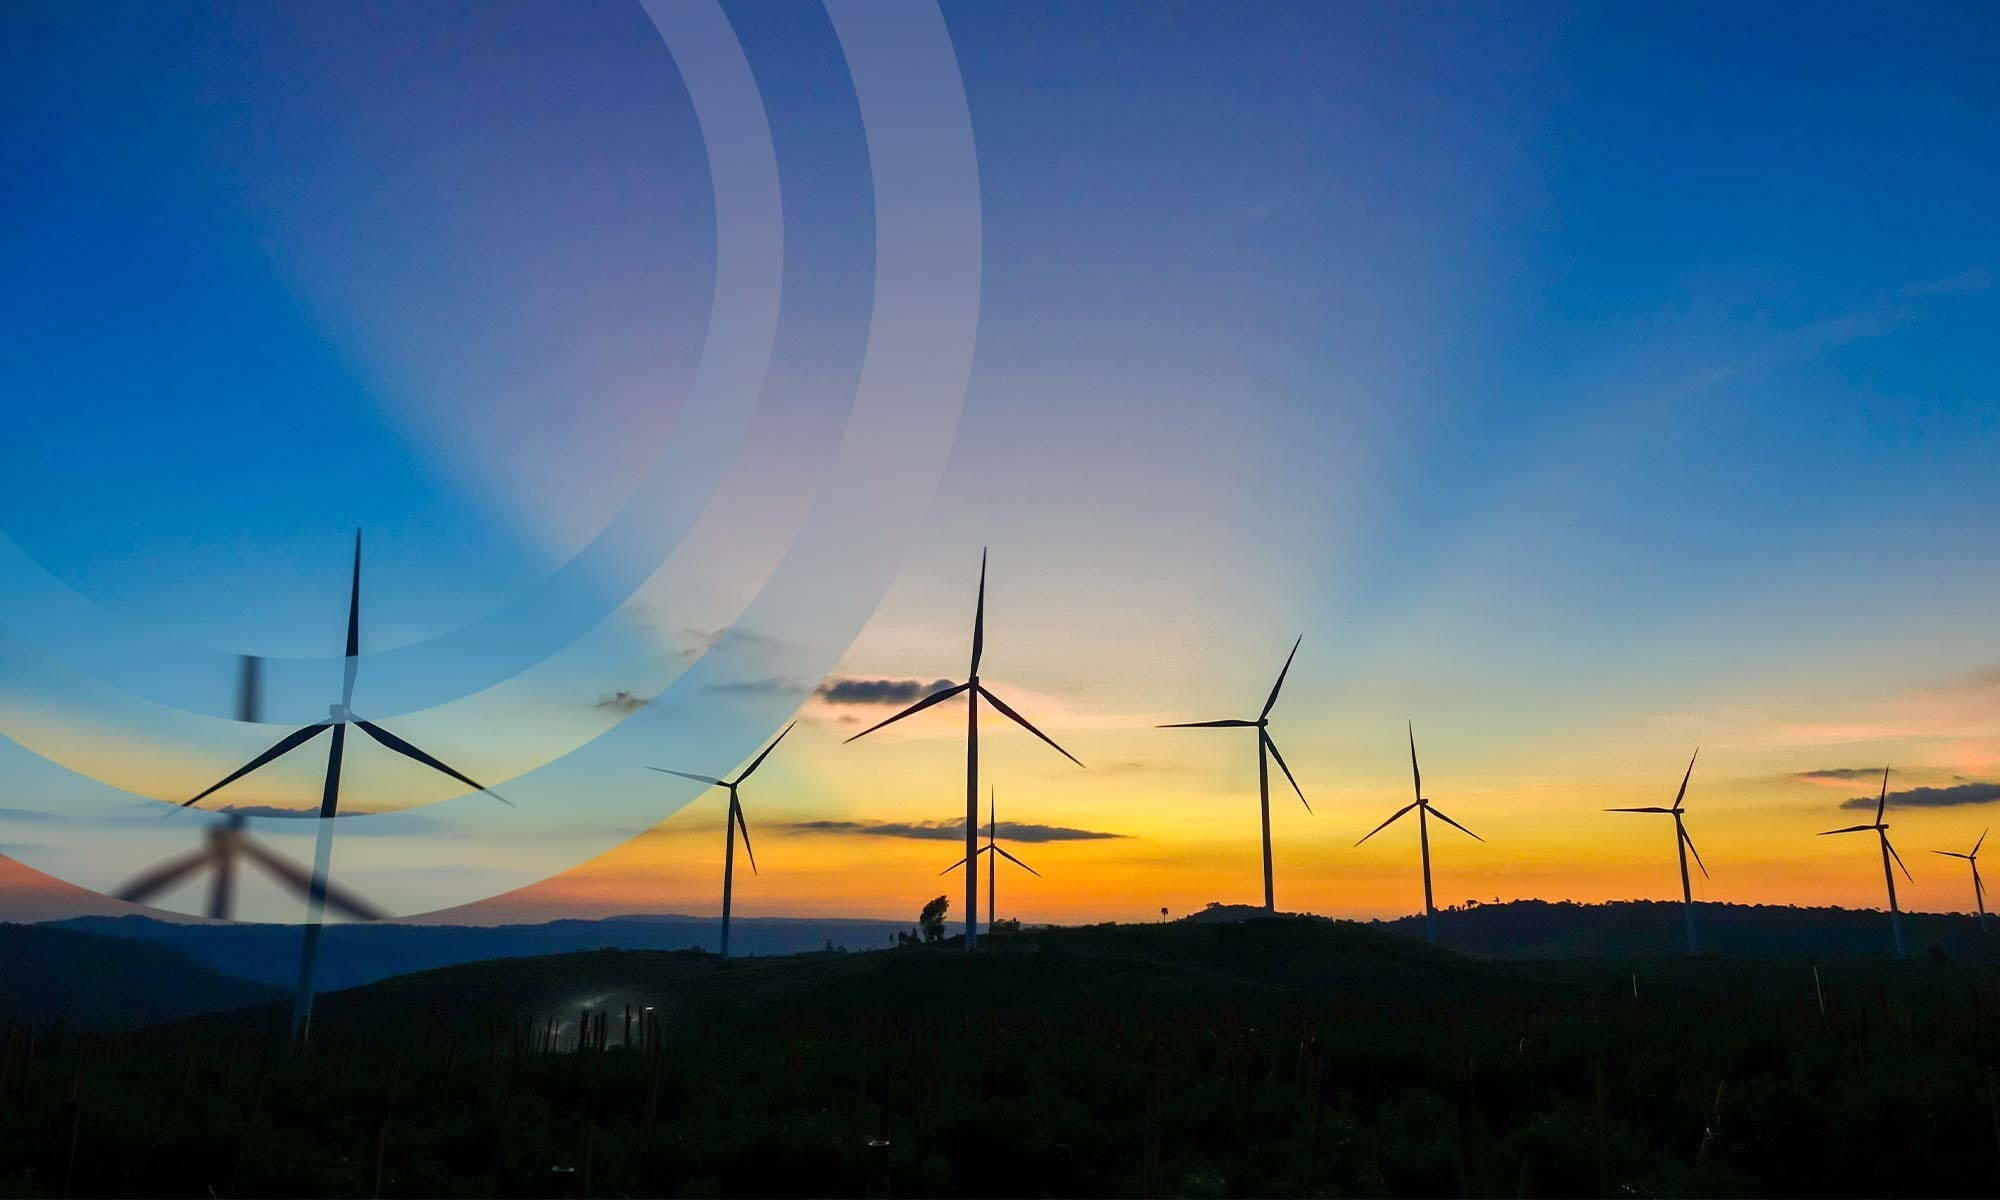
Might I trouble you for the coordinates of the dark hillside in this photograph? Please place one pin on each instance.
(106, 984)
(1539, 929)
(1260, 1057)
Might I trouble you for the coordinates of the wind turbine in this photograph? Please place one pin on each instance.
(226, 840)
(1888, 852)
(1978, 887)
(1425, 810)
(731, 823)
(339, 717)
(990, 849)
(973, 690)
(1683, 845)
(1266, 751)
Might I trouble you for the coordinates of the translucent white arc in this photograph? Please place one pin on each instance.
(706, 440)
(889, 461)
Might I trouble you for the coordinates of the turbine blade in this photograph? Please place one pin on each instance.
(1849, 829)
(1898, 858)
(1685, 837)
(1951, 854)
(1022, 721)
(919, 706)
(1272, 700)
(411, 752)
(286, 744)
(160, 878)
(1391, 821)
(1439, 814)
(1017, 862)
(953, 867)
(1882, 802)
(979, 619)
(1416, 776)
(1209, 725)
(1272, 746)
(736, 809)
(1682, 794)
(684, 775)
(354, 602)
(353, 658)
(300, 881)
(1982, 840)
(759, 760)
(1653, 809)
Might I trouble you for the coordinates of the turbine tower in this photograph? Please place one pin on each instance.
(1425, 811)
(1888, 852)
(1978, 887)
(731, 823)
(1267, 749)
(991, 849)
(973, 690)
(1683, 846)
(339, 717)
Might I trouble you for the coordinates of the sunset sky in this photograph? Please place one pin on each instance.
(1583, 384)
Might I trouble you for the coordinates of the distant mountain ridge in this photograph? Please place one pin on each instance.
(351, 955)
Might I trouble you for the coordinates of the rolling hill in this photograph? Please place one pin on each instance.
(91, 982)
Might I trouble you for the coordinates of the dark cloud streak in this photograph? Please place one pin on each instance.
(946, 831)
(1933, 797)
(878, 691)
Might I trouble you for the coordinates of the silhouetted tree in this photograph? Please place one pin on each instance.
(931, 920)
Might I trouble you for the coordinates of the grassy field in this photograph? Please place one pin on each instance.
(1284, 1057)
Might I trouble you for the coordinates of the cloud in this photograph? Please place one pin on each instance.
(950, 830)
(1981, 680)
(878, 691)
(1934, 797)
(620, 701)
(1132, 768)
(701, 641)
(1839, 773)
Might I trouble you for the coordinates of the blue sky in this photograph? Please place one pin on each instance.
(1589, 379)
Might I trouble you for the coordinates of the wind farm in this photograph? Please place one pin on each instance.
(1614, 388)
